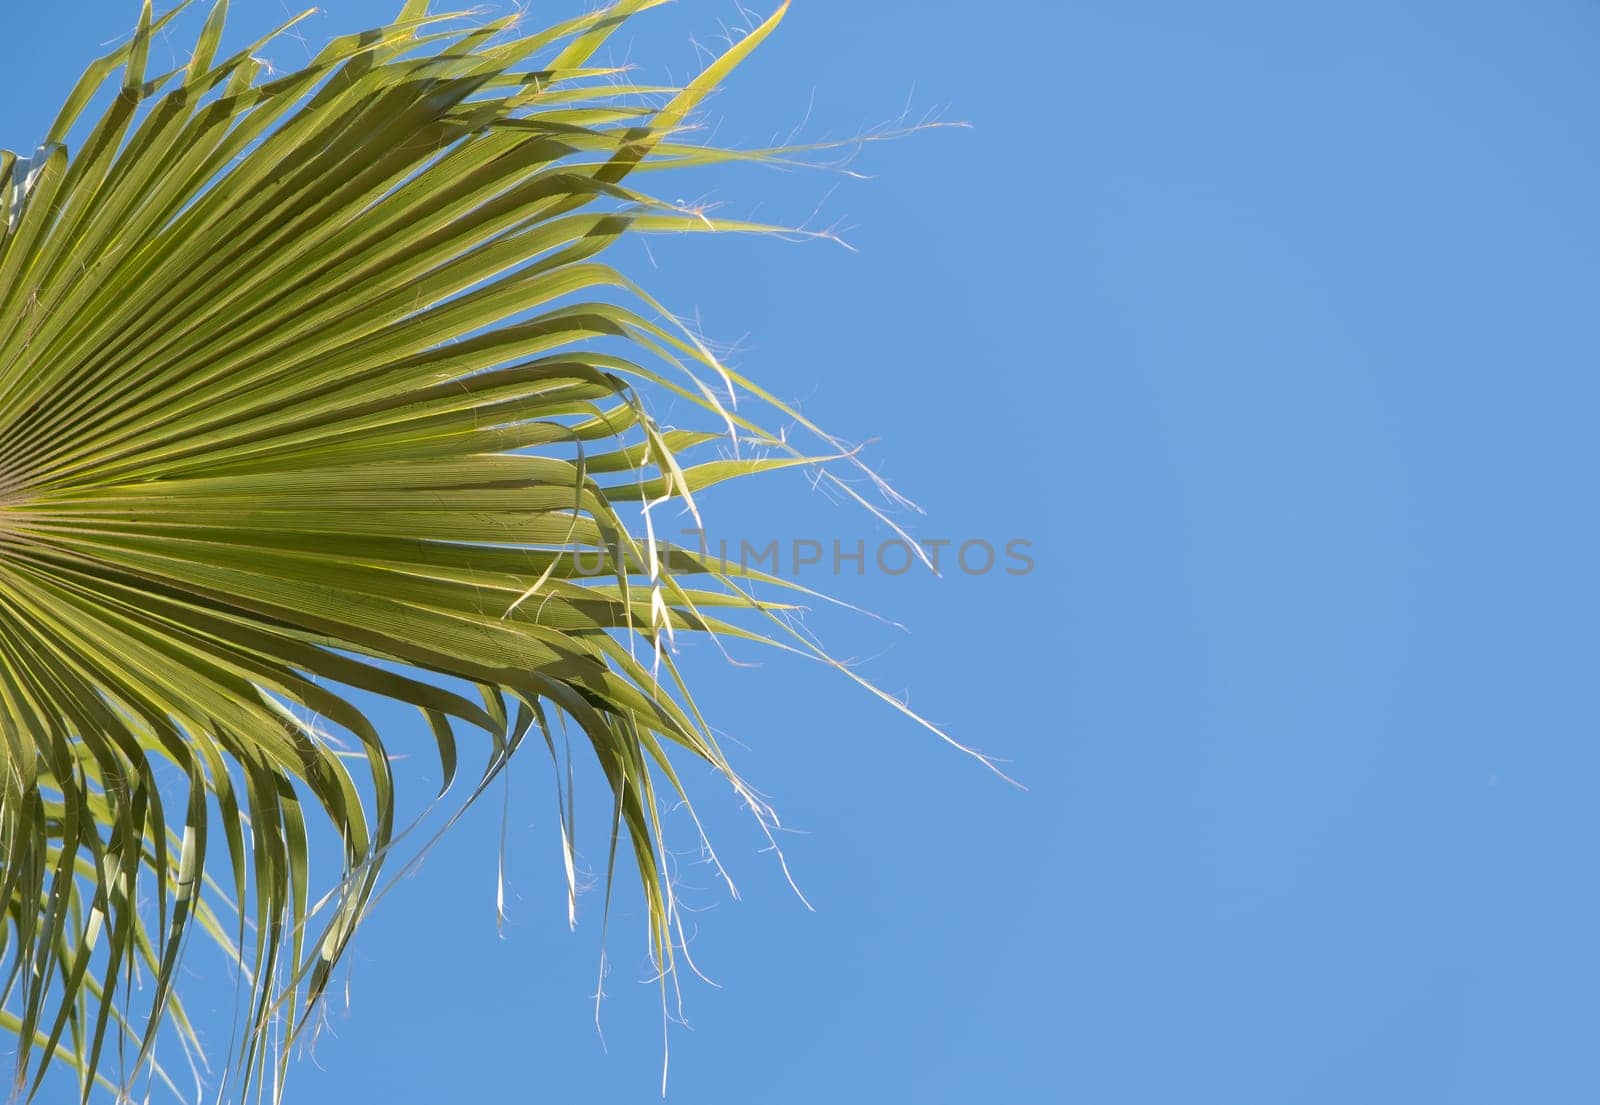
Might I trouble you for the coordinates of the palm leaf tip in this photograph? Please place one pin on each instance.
(316, 386)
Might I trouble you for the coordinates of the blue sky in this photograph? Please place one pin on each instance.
(1271, 328)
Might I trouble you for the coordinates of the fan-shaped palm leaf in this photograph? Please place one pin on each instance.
(315, 384)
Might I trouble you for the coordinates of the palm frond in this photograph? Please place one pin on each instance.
(316, 386)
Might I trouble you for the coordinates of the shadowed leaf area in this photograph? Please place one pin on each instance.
(316, 387)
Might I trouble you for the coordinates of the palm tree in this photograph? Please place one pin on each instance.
(315, 386)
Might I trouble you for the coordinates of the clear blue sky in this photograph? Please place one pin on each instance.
(1273, 328)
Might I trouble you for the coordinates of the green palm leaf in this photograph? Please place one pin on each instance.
(311, 385)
